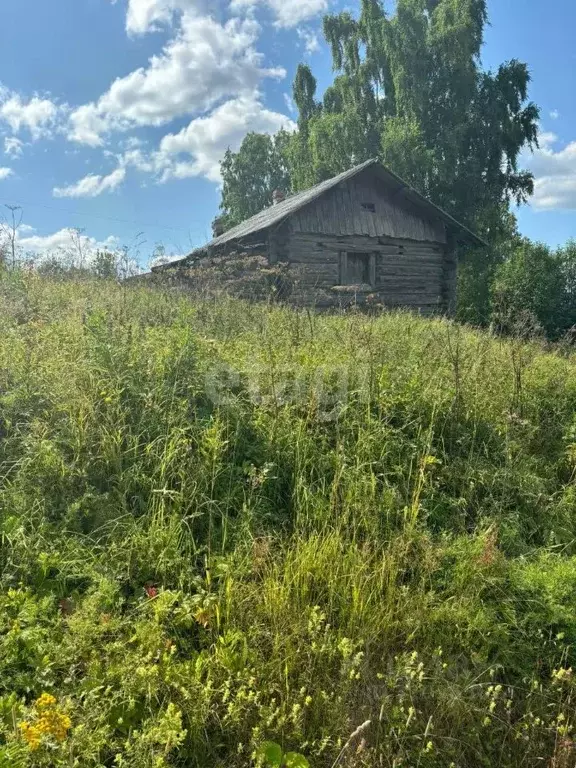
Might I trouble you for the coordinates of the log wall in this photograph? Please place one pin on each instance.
(408, 273)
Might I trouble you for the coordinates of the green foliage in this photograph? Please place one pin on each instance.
(566, 255)
(251, 175)
(534, 286)
(271, 755)
(408, 88)
(225, 524)
(414, 82)
(105, 265)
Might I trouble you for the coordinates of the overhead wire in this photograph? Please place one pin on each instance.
(22, 204)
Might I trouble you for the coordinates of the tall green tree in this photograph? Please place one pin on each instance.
(251, 175)
(409, 88)
(413, 86)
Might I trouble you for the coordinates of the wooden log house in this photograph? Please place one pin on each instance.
(363, 236)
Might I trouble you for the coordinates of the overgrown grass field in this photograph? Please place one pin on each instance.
(226, 524)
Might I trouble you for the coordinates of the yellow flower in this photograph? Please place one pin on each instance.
(50, 722)
(45, 701)
(31, 735)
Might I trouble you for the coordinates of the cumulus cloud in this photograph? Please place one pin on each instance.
(554, 114)
(13, 147)
(205, 63)
(5, 173)
(198, 149)
(38, 115)
(64, 242)
(92, 185)
(310, 40)
(150, 15)
(554, 174)
(288, 13)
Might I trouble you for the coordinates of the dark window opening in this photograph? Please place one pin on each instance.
(358, 269)
(369, 207)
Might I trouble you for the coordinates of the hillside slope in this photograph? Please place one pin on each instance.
(223, 524)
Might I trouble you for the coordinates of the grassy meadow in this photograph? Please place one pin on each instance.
(225, 524)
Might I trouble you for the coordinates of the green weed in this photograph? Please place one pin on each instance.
(224, 525)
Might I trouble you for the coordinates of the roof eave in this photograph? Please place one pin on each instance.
(462, 232)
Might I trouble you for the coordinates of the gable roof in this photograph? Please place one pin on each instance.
(277, 213)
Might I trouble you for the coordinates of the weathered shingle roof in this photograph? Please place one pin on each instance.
(277, 213)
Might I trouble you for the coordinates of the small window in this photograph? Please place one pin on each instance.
(370, 207)
(357, 269)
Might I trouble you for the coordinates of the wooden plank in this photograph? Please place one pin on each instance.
(410, 269)
(427, 277)
(313, 257)
(315, 270)
(343, 259)
(401, 258)
(388, 260)
(373, 269)
(366, 242)
(401, 289)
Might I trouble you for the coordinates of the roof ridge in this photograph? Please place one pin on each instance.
(275, 214)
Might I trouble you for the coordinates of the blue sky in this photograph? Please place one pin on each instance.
(114, 115)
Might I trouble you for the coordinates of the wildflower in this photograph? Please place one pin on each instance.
(151, 591)
(50, 722)
(31, 735)
(562, 674)
(46, 701)
(202, 616)
(429, 461)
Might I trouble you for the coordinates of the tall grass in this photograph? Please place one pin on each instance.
(224, 523)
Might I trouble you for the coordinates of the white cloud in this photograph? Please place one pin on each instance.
(132, 142)
(149, 15)
(165, 259)
(65, 242)
(72, 247)
(554, 114)
(554, 174)
(87, 126)
(546, 139)
(198, 149)
(38, 115)
(205, 63)
(310, 40)
(289, 101)
(289, 13)
(138, 159)
(92, 185)
(13, 147)
(5, 172)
